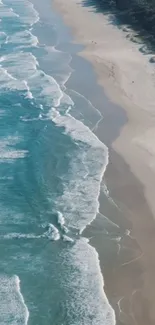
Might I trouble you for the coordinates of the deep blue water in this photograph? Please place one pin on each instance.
(51, 166)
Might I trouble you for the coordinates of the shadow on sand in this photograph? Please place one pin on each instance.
(136, 17)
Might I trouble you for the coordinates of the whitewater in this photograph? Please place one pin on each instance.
(51, 168)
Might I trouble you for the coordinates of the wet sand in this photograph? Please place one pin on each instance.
(128, 262)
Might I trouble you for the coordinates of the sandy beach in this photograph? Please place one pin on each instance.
(128, 79)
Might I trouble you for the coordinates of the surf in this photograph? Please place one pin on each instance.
(57, 165)
(13, 309)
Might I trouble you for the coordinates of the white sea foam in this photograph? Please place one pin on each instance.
(23, 39)
(17, 280)
(67, 239)
(76, 129)
(24, 67)
(7, 81)
(66, 100)
(24, 119)
(7, 152)
(10, 155)
(87, 110)
(14, 69)
(45, 88)
(65, 229)
(79, 202)
(107, 193)
(5, 11)
(29, 94)
(61, 223)
(25, 10)
(86, 281)
(20, 65)
(65, 72)
(59, 56)
(13, 309)
(64, 58)
(52, 233)
(61, 220)
(15, 235)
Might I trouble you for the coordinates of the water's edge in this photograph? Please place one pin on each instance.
(51, 199)
(110, 111)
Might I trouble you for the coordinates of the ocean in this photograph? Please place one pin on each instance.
(51, 168)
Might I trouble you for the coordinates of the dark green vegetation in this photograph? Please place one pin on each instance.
(139, 14)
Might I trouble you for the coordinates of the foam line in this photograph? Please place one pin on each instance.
(13, 309)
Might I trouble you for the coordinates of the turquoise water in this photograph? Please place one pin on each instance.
(51, 166)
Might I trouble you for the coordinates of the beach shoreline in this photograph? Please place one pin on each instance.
(118, 64)
(129, 268)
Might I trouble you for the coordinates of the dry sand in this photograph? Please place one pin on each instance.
(129, 80)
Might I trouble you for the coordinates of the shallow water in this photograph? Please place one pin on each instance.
(51, 167)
